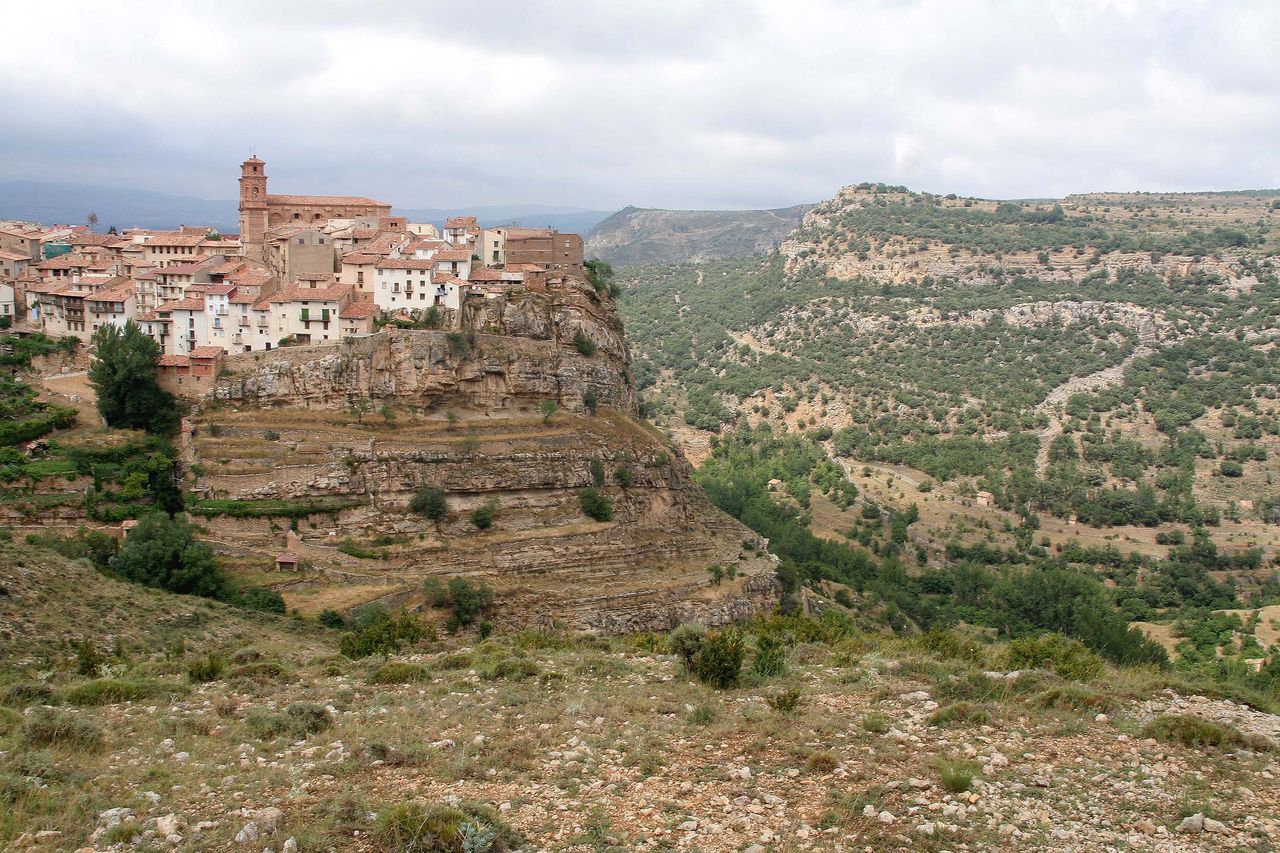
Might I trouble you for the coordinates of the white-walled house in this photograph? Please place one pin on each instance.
(402, 283)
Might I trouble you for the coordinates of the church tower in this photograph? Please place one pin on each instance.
(253, 207)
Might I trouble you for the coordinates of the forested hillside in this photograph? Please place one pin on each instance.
(1091, 381)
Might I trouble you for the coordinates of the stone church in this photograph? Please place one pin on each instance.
(260, 212)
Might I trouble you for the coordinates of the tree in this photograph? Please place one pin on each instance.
(92, 219)
(361, 406)
(388, 413)
(600, 274)
(595, 505)
(468, 600)
(430, 501)
(124, 375)
(549, 408)
(162, 552)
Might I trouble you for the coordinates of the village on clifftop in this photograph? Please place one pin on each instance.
(303, 270)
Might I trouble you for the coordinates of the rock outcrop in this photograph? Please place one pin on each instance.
(467, 417)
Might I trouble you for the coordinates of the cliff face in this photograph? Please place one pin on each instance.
(512, 351)
(466, 418)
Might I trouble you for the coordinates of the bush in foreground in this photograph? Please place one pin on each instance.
(1068, 658)
(719, 661)
(412, 827)
(48, 727)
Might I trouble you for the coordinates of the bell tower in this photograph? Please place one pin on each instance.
(253, 207)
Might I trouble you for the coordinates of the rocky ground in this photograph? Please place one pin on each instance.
(591, 744)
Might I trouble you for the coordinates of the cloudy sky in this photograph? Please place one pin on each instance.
(656, 103)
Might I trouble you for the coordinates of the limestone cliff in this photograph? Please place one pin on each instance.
(511, 351)
(466, 417)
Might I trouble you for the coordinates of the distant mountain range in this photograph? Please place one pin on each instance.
(70, 204)
(636, 235)
(630, 236)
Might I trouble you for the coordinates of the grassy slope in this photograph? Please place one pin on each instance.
(49, 601)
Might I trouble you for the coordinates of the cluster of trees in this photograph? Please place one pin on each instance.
(1012, 227)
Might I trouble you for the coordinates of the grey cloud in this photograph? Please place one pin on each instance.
(662, 103)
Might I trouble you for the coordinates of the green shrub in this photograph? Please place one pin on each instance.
(961, 712)
(108, 691)
(48, 727)
(785, 702)
(1067, 657)
(266, 671)
(685, 642)
(875, 722)
(430, 502)
(468, 599)
(123, 832)
(595, 505)
(399, 673)
(1073, 698)
(265, 724)
(206, 669)
(412, 827)
(510, 669)
(956, 775)
(259, 598)
(482, 518)
(381, 634)
(584, 344)
(307, 718)
(702, 714)
(331, 618)
(719, 661)
(771, 656)
(1193, 731)
(622, 475)
(21, 695)
(434, 592)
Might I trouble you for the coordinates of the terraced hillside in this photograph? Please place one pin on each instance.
(338, 493)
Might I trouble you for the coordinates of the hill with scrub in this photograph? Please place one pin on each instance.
(147, 720)
(939, 379)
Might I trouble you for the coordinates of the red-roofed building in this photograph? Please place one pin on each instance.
(260, 211)
(308, 311)
(357, 319)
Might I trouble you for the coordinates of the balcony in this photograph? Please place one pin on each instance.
(237, 338)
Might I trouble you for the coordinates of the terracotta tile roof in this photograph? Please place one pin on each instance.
(175, 238)
(49, 287)
(182, 269)
(359, 311)
(250, 278)
(263, 304)
(453, 255)
(460, 222)
(423, 264)
(88, 238)
(190, 303)
(524, 268)
(13, 256)
(336, 293)
(446, 278)
(226, 268)
(207, 351)
(71, 260)
(169, 360)
(219, 289)
(117, 289)
(325, 201)
(359, 258)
